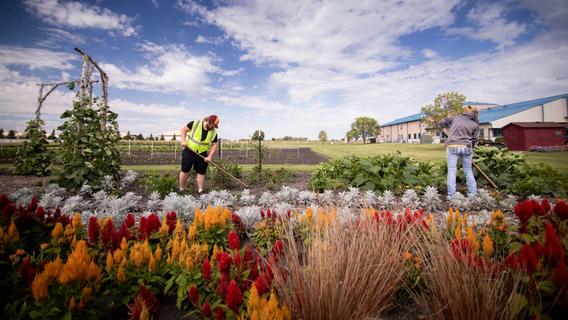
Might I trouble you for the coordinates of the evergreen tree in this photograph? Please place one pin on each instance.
(1, 133)
(151, 137)
(52, 135)
(162, 137)
(11, 134)
(174, 137)
(139, 137)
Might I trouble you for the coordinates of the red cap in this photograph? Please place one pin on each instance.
(214, 120)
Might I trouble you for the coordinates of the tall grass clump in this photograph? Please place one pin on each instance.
(350, 271)
(460, 286)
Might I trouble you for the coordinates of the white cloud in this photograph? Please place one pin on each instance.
(79, 15)
(53, 36)
(215, 41)
(429, 53)
(35, 58)
(491, 24)
(171, 69)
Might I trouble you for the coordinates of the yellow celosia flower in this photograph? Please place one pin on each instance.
(53, 269)
(260, 308)
(93, 272)
(458, 232)
(192, 232)
(118, 256)
(158, 253)
(39, 287)
(487, 246)
(498, 220)
(77, 223)
(69, 233)
(123, 244)
(109, 262)
(72, 304)
(13, 234)
(198, 218)
(472, 238)
(77, 266)
(152, 264)
(121, 275)
(164, 229)
(178, 231)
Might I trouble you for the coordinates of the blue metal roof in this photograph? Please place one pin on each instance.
(474, 103)
(492, 113)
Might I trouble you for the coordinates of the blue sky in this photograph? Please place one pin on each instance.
(288, 67)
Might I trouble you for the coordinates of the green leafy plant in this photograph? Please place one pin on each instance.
(33, 157)
(88, 151)
(161, 183)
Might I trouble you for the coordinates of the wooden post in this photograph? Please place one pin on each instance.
(128, 146)
(39, 101)
(152, 151)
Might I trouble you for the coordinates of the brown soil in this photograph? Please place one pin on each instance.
(10, 183)
(276, 156)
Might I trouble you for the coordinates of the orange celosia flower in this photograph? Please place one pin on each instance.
(472, 238)
(39, 287)
(72, 304)
(109, 265)
(123, 244)
(118, 256)
(85, 294)
(158, 253)
(13, 234)
(20, 252)
(152, 264)
(487, 246)
(121, 275)
(164, 229)
(77, 223)
(53, 269)
(77, 265)
(407, 255)
(93, 272)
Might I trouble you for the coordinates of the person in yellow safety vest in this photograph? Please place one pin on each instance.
(198, 137)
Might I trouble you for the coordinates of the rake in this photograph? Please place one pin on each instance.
(222, 169)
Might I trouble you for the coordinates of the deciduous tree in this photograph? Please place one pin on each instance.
(322, 136)
(445, 105)
(364, 127)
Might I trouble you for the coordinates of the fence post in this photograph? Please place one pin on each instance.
(175, 152)
(129, 147)
(298, 154)
(220, 149)
(152, 151)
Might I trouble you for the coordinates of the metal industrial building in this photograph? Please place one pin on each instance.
(492, 118)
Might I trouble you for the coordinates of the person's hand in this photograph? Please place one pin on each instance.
(183, 144)
(208, 159)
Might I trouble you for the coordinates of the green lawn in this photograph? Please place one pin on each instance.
(246, 167)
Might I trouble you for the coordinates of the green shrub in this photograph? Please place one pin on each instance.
(268, 177)
(88, 151)
(161, 183)
(393, 172)
(221, 180)
(33, 158)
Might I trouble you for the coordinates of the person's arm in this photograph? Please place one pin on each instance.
(184, 131)
(446, 123)
(211, 152)
(475, 136)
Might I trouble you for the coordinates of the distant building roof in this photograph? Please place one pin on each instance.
(492, 113)
(499, 112)
(473, 103)
(539, 124)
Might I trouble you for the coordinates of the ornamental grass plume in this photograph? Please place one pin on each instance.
(350, 271)
(454, 288)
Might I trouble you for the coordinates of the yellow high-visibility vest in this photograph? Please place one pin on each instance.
(193, 139)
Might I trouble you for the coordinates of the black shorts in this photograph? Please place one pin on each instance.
(189, 159)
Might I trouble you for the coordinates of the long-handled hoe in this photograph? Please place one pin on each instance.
(223, 170)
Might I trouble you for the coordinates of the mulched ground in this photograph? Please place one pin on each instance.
(273, 156)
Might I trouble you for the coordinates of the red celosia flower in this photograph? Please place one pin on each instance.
(93, 230)
(171, 219)
(235, 219)
(8, 211)
(150, 301)
(561, 209)
(261, 285)
(268, 213)
(224, 261)
(33, 204)
(249, 255)
(552, 246)
(524, 211)
(223, 284)
(237, 259)
(129, 220)
(278, 248)
(40, 213)
(461, 249)
(234, 242)
(234, 297)
(206, 269)
(528, 259)
(142, 228)
(194, 295)
(154, 223)
(253, 271)
(124, 232)
(262, 213)
(545, 205)
(219, 313)
(511, 261)
(106, 235)
(560, 277)
(206, 309)
(3, 200)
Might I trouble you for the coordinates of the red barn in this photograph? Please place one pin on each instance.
(520, 136)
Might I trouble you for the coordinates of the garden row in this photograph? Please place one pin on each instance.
(300, 263)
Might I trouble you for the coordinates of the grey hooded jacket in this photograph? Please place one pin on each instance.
(464, 129)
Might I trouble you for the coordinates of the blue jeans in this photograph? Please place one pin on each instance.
(466, 155)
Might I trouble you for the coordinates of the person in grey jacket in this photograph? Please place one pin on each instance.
(463, 135)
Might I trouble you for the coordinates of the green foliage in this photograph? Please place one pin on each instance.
(265, 234)
(510, 172)
(322, 136)
(268, 177)
(364, 127)
(2, 133)
(33, 158)
(258, 135)
(161, 183)
(221, 180)
(11, 134)
(88, 150)
(445, 105)
(393, 172)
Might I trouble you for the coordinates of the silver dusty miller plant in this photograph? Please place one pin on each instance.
(74, 204)
(483, 200)
(52, 197)
(387, 200)
(154, 202)
(184, 206)
(22, 196)
(107, 184)
(350, 198)
(370, 199)
(410, 199)
(286, 194)
(128, 180)
(266, 200)
(508, 203)
(459, 201)
(221, 198)
(327, 198)
(249, 215)
(305, 198)
(246, 198)
(86, 191)
(431, 199)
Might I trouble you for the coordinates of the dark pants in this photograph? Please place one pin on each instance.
(190, 159)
